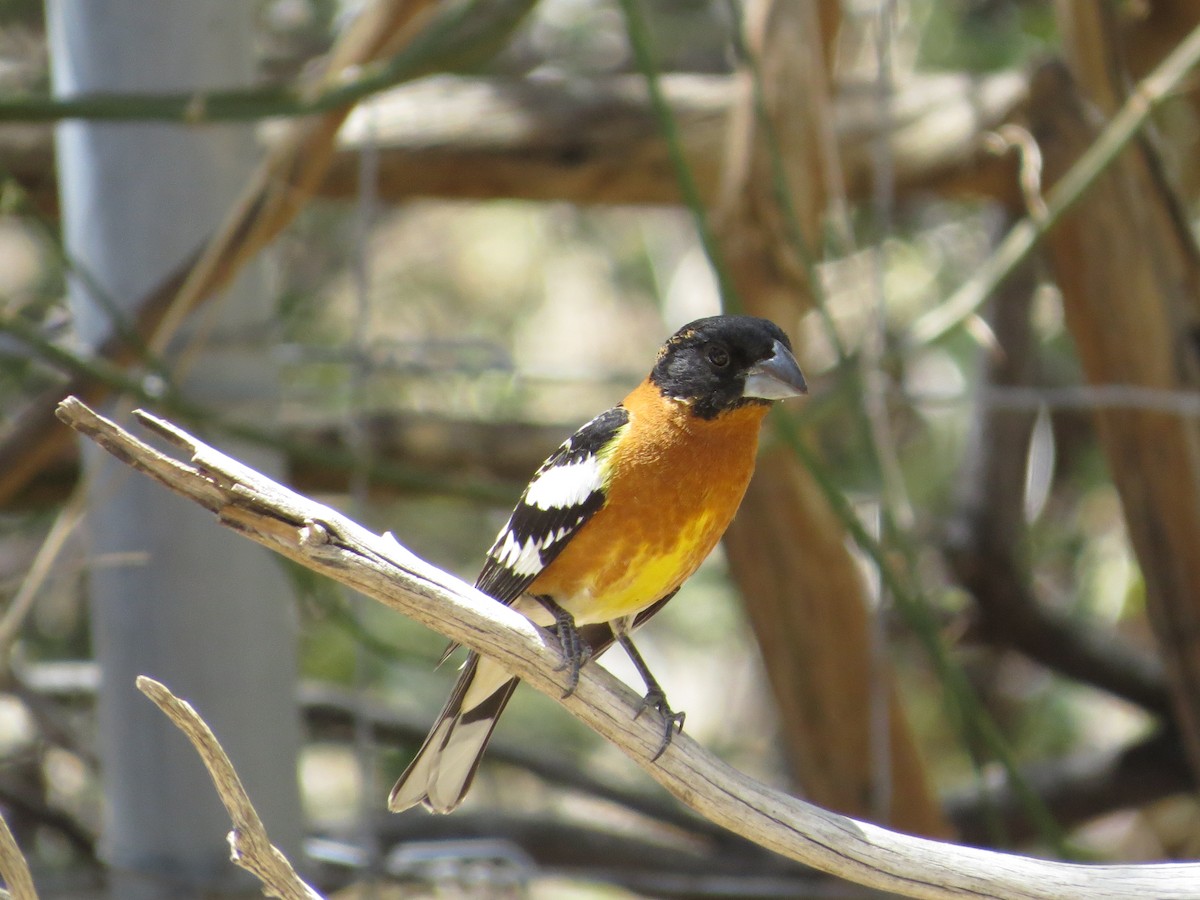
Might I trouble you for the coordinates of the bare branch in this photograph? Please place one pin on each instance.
(327, 542)
(249, 846)
(20, 605)
(597, 140)
(13, 867)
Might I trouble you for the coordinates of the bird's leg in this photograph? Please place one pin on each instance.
(656, 697)
(574, 648)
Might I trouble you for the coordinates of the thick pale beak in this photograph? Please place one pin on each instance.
(775, 378)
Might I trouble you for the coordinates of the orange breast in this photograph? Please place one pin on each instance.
(674, 490)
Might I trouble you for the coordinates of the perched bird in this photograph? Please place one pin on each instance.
(613, 523)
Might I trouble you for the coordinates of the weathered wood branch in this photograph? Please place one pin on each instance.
(249, 846)
(327, 542)
(13, 867)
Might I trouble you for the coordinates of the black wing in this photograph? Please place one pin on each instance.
(563, 494)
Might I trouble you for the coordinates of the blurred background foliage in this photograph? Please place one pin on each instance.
(454, 341)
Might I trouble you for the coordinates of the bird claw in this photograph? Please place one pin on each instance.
(673, 721)
(572, 663)
(575, 652)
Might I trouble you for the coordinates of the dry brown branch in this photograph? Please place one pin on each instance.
(13, 867)
(327, 542)
(249, 846)
(598, 141)
(850, 748)
(1127, 264)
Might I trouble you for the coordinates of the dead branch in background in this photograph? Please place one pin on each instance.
(983, 540)
(582, 142)
(802, 590)
(282, 184)
(598, 141)
(327, 542)
(1127, 264)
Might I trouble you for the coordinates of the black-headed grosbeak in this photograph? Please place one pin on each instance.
(613, 523)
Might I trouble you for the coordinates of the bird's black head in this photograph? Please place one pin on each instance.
(723, 362)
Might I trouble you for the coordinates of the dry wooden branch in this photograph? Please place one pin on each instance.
(249, 846)
(1126, 262)
(13, 867)
(850, 749)
(598, 141)
(327, 542)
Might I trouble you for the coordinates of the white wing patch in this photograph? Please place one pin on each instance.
(564, 494)
(564, 486)
(519, 558)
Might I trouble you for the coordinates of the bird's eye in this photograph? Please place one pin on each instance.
(718, 356)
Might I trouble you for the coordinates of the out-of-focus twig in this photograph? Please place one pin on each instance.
(1148, 95)
(22, 602)
(274, 194)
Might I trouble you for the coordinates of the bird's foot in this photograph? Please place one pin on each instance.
(575, 649)
(656, 700)
(576, 652)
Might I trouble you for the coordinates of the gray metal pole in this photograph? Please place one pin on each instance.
(172, 595)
